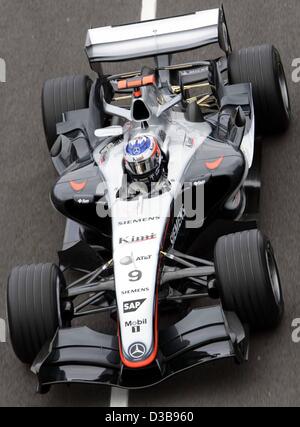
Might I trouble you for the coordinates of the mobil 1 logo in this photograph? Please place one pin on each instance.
(136, 327)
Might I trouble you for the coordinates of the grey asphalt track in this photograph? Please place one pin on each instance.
(41, 39)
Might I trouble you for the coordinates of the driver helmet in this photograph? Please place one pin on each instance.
(143, 158)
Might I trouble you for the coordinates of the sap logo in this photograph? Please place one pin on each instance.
(135, 291)
(177, 226)
(133, 306)
(296, 72)
(139, 221)
(136, 324)
(139, 239)
(2, 331)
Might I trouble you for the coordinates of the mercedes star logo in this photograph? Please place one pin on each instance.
(137, 350)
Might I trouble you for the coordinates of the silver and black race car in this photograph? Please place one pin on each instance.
(159, 179)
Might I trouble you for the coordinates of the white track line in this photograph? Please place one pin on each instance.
(149, 8)
(120, 398)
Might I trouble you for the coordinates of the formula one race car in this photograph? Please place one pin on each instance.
(159, 179)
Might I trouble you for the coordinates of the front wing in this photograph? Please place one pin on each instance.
(80, 355)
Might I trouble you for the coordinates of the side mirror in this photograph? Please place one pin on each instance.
(109, 131)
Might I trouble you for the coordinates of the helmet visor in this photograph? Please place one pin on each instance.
(144, 167)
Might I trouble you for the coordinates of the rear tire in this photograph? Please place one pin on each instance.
(59, 96)
(262, 66)
(248, 279)
(33, 308)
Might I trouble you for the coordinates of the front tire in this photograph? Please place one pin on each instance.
(33, 308)
(262, 67)
(248, 280)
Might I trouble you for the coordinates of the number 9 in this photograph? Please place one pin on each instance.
(135, 276)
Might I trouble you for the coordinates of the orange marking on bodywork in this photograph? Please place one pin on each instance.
(137, 93)
(136, 83)
(214, 165)
(122, 84)
(149, 80)
(78, 186)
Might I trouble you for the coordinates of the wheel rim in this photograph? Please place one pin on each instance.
(273, 275)
(284, 89)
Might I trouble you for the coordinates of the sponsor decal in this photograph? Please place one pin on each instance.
(144, 258)
(128, 260)
(133, 306)
(135, 291)
(137, 351)
(83, 201)
(139, 221)
(135, 276)
(134, 324)
(199, 183)
(137, 239)
(177, 226)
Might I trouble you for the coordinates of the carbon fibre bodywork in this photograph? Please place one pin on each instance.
(130, 233)
(220, 184)
(80, 355)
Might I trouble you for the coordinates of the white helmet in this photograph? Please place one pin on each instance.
(143, 158)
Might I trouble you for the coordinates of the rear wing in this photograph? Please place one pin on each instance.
(158, 37)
